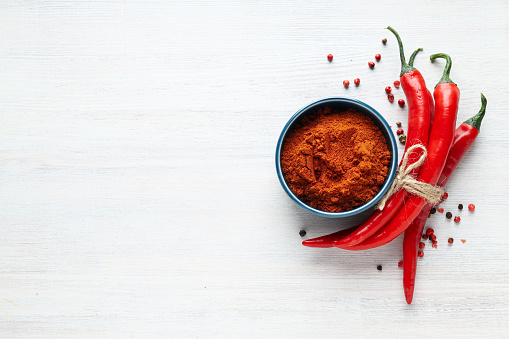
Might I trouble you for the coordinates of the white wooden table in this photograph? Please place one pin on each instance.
(138, 189)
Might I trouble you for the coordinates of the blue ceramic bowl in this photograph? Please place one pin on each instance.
(341, 103)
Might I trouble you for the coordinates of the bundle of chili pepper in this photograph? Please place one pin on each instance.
(414, 86)
(464, 137)
(446, 96)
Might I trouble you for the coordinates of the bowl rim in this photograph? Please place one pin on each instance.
(383, 189)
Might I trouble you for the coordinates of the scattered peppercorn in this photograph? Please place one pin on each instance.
(379, 267)
(460, 206)
(401, 103)
(346, 83)
(330, 57)
(422, 245)
(398, 124)
(448, 215)
(397, 83)
(434, 244)
(445, 196)
(425, 236)
(384, 41)
(457, 219)
(463, 240)
(471, 207)
(420, 254)
(433, 210)
(390, 97)
(400, 263)
(388, 89)
(430, 231)
(433, 237)
(399, 131)
(440, 210)
(357, 81)
(302, 233)
(402, 138)
(378, 57)
(450, 240)
(371, 64)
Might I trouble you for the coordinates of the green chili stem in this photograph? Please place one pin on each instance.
(476, 120)
(447, 70)
(404, 66)
(412, 57)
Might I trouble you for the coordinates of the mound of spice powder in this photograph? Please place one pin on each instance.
(335, 160)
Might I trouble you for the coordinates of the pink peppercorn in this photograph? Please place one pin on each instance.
(457, 219)
(378, 57)
(422, 245)
(434, 244)
(471, 207)
(400, 263)
(329, 57)
(425, 236)
(397, 83)
(420, 254)
(371, 64)
(430, 231)
(346, 83)
(399, 131)
(433, 237)
(390, 97)
(357, 81)
(388, 89)
(401, 103)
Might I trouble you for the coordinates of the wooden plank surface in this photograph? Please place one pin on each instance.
(138, 190)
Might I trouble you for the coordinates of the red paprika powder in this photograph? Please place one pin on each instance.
(335, 160)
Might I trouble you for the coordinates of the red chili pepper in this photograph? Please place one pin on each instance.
(327, 240)
(430, 96)
(464, 137)
(414, 87)
(441, 137)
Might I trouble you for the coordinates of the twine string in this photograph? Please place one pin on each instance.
(404, 180)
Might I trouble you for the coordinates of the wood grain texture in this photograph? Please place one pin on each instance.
(138, 190)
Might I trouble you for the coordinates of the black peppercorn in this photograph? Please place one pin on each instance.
(448, 215)
(433, 210)
(379, 267)
(460, 206)
(302, 233)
